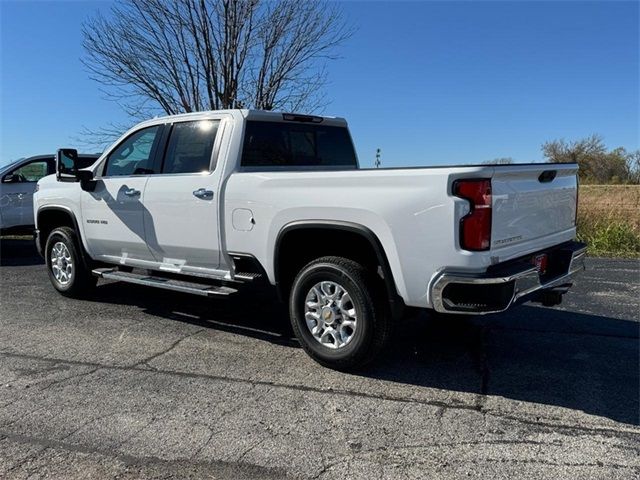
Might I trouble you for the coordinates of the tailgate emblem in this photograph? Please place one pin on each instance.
(503, 241)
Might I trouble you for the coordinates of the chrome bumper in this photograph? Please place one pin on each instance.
(499, 289)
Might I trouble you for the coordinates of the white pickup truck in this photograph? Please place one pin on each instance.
(208, 203)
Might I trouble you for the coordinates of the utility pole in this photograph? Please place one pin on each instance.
(378, 161)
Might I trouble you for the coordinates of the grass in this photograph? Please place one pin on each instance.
(609, 219)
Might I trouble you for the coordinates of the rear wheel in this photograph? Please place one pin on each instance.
(336, 313)
(67, 270)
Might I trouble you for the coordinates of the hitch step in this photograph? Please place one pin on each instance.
(165, 283)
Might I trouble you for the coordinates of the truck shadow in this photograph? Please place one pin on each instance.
(534, 354)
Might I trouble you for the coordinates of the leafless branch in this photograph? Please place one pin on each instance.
(175, 56)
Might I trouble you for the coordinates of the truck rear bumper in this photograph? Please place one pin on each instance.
(507, 284)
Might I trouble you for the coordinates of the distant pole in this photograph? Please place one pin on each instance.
(378, 161)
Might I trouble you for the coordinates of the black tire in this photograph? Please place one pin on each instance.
(373, 327)
(81, 281)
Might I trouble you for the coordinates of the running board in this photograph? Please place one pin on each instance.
(165, 283)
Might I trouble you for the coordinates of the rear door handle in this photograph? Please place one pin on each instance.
(203, 193)
(132, 192)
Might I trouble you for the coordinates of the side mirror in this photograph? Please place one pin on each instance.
(66, 165)
(68, 169)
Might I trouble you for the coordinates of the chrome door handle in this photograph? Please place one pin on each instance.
(203, 193)
(132, 192)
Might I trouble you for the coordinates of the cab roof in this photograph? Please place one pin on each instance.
(258, 115)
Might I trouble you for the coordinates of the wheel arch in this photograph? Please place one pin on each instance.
(50, 217)
(351, 229)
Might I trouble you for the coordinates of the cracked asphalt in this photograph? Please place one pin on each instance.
(139, 383)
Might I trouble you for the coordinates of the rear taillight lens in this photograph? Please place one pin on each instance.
(475, 227)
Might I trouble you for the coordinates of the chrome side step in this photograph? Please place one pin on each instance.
(165, 283)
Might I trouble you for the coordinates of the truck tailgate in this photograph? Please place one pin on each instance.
(531, 202)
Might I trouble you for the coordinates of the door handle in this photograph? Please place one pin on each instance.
(203, 193)
(132, 192)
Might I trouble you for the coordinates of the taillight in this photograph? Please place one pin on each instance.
(475, 227)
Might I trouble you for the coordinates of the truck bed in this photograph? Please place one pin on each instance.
(412, 211)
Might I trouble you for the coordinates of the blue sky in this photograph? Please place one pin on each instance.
(427, 82)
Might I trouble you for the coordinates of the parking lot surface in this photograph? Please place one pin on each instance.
(140, 383)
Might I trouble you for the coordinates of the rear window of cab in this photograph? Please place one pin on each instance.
(276, 144)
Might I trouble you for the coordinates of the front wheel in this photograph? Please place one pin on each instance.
(336, 313)
(67, 270)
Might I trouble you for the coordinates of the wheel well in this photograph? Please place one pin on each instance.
(50, 219)
(298, 246)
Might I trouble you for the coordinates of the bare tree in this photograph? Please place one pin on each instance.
(561, 151)
(175, 56)
(597, 164)
(633, 164)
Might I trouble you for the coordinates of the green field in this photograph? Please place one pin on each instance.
(609, 219)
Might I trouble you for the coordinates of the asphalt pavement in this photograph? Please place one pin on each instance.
(141, 383)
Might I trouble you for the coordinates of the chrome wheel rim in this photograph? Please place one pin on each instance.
(330, 314)
(61, 263)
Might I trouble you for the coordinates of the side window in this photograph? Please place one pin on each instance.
(32, 172)
(190, 146)
(134, 155)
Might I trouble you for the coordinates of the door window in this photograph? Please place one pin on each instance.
(134, 156)
(190, 146)
(31, 172)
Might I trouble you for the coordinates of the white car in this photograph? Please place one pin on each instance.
(210, 202)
